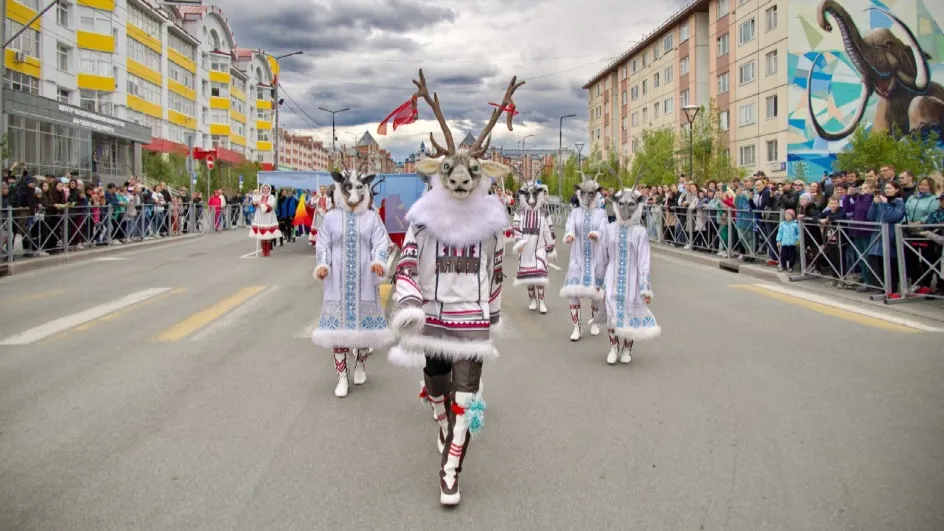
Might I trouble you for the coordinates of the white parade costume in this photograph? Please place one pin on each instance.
(585, 270)
(448, 286)
(626, 255)
(534, 243)
(321, 206)
(265, 224)
(352, 241)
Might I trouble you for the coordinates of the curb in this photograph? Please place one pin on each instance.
(33, 264)
(762, 272)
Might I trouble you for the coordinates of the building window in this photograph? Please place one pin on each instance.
(63, 54)
(144, 89)
(635, 118)
(634, 93)
(634, 65)
(772, 151)
(747, 155)
(144, 21)
(667, 105)
(746, 115)
(656, 53)
(723, 44)
(144, 55)
(625, 98)
(655, 110)
(655, 80)
(180, 75)
(667, 75)
(263, 93)
(746, 32)
(623, 73)
(32, 4)
(724, 120)
(644, 59)
(219, 116)
(771, 15)
(27, 42)
(747, 72)
(635, 145)
(771, 106)
(95, 20)
(683, 32)
(723, 83)
(220, 141)
(683, 66)
(182, 104)
(771, 60)
(219, 63)
(263, 135)
(683, 98)
(623, 121)
(63, 95)
(14, 80)
(219, 90)
(645, 86)
(181, 46)
(95, 63)
(722, 8)
(63, 13)
(667, 43)
(266, 115)
(645, 115)
(96, 101)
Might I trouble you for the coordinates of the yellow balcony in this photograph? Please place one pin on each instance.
(181, 60)
(22, 14)
(237, 139)
(107, 5)
(264, 125)
(219, 77)
(238, 94)
(92, 82)
(219, 129)
(144, 72)
(263, 145)
(181, 119)
(141, 36)
(144, 106)
(181, 90)
(95, 41)
(30, 67)
(264, 104)
(219, 103)
(238, 116)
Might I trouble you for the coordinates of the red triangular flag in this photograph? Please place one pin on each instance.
(402, 115)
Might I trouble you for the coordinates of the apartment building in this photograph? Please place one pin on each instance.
(709, 50)
(298, 152)
(92, 84)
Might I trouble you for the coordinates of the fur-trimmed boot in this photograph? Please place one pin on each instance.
(626, 354)
(340, 364)
(594, 311)
(533, 305)
(456, 446)
(575, 318)
(360, 366)
(614, 346)
(436, 393)
(541, 306)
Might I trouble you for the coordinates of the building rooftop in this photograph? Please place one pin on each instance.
(366, 140)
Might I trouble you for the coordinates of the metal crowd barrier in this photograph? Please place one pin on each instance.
(920, 259)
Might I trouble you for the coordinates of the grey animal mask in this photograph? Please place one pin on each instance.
(532, 196)
(352, 191)
(587, 191)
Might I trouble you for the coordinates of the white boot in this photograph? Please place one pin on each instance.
(594, 329)
(454, 454)
(533, 305)
(340, 364)
(360, 367)
(611, 356)
(576, 335)
(542, 307)
(626, 355)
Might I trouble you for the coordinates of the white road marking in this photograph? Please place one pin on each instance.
(232, 317)
(554, 266)
(826, 301)
(110, 259)
(250, 255)
(71, 321)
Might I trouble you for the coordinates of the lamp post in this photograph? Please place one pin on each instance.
(278, 104)
(523, 140)
(333, 134)
(579, 146)
(691, 112)
(560, 162)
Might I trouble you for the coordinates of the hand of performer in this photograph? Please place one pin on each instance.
(647, 298)
(594, 237)
(377, 270)
(321, 273)
(568, 240)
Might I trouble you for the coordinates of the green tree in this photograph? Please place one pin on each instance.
(711, 159)
(656, 156)
(801, 170)
(871, 149)
(510, 183)
(563, 184)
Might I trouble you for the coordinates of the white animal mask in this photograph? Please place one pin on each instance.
(352, 191)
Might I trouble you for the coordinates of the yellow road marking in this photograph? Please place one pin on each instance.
(828, 310)
(386, 290)
(112, 316)
(206, 316)
(35, 297)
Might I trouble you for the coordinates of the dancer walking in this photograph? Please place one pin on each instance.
(265, 225)
(585, 271)
(351, 254)
(534, 243)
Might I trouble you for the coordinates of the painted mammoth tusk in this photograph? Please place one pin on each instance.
(848, 129)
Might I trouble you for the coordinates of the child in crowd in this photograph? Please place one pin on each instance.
(788, 235)
(829, 219)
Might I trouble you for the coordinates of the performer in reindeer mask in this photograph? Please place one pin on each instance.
(585, 271)
(629, 286)
(534, 242)
(265, 224)
(448, 284)
(351, 253)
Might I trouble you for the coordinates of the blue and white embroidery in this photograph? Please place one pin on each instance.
(351, 270)
(622, 260)
(587, 248)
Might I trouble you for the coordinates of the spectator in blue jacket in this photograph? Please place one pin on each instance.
(888, 209)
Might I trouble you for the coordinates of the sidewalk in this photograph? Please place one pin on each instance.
(932, 310)
(22, 265)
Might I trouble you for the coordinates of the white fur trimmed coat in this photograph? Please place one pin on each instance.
(585, 270)
(625, 250)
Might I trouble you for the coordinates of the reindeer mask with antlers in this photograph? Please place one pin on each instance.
(352, 191)
(629, 207)
(532, 196)
(460, 170)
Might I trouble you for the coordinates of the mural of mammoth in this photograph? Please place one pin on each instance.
(897, 72)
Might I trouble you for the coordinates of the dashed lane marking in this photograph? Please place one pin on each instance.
(206, 316)
(232, 317)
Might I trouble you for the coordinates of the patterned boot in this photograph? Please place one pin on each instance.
(614, 346)
(437, 394)
(575, 317)
(594, 327)
(457, 444)
(626, 355)
(541, 306)
(360, 366)
(533, 298)
(340, 364)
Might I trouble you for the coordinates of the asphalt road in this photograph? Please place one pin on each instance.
(176, 388)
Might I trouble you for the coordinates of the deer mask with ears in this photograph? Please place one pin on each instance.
(532, 196)
(352, 191)
(587, 190)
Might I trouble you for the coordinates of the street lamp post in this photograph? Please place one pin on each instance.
(691, 112)
(278, 104)
(579, 146)
(523, 140)
(333, 134)
(560, 162)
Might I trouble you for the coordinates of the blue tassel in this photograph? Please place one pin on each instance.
(476, 415)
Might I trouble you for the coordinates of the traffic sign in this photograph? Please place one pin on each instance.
(209, 161)
(240, 181)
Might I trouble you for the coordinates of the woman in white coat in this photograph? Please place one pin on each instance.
(265, 225)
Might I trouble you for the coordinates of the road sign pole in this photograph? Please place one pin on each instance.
(191, 171)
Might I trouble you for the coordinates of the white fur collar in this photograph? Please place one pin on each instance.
(459, 222)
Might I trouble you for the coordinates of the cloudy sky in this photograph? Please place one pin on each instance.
(363, 54)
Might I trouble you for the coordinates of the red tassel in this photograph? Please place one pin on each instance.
(457, 409)
(506, 108)
(402, 115)
(424, 393)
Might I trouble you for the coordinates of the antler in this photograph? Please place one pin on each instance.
(507, 105)
(433, 102)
